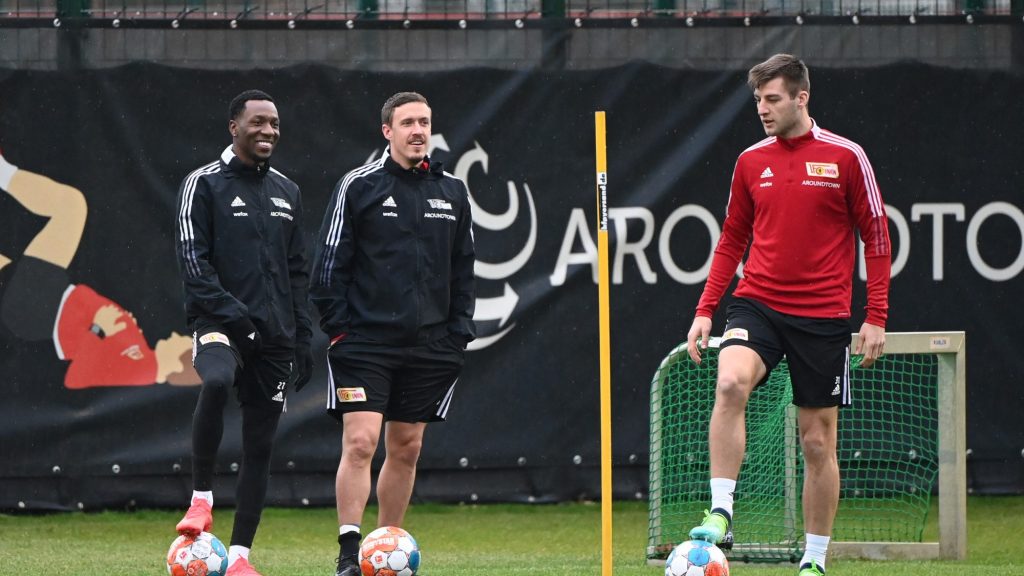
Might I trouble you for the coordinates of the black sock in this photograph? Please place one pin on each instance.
(723, 513)
(349, 542)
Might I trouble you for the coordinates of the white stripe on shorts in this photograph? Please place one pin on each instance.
(332, 395)
(442, 410)
(847, 395)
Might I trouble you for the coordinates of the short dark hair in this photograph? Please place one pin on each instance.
(238, 102)
(388, 111)
(790, 68)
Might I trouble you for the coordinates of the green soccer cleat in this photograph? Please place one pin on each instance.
(716, 529)
(810, 569)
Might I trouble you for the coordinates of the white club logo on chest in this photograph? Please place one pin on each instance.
(438, 204)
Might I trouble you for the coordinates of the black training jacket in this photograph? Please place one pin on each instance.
(241, 250)
(394, 259)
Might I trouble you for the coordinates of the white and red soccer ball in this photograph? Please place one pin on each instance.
(389, 551)
(203, 555)
(697, 558)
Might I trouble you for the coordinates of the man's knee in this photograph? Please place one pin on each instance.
(818, 432)
(217, 371)
(817, 447)
(733, 389)
(259, 425)
(219, 381)
(407, 451)
(739, 369)
(359, 444)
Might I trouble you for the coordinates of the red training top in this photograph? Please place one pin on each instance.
(802, 199)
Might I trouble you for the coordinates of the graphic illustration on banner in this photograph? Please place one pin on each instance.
(498, 308)
(102, 342)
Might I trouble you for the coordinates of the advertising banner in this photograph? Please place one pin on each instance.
(87, 224)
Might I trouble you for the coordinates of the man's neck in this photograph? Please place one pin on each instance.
(405, 163)
(248, 162)
(802, 128)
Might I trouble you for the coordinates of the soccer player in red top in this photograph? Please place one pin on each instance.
(797, 199)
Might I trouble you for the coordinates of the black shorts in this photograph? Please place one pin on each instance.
(404, 383)
(261, 382)
(816, 349)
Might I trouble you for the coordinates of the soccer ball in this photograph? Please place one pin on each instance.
(389, 551)
(203, 555)
(696, 558)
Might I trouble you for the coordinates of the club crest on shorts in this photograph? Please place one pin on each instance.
(351, 394)
(735, 333)
(214, 337)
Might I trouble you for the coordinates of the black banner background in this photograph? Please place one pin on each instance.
(527, 404)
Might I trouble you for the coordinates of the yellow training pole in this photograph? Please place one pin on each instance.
(606, 366)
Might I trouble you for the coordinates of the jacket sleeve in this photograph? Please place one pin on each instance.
(463, 283)
(204, 294)
(332, 263)
(298, 273)
(868, 211)
(736, 232)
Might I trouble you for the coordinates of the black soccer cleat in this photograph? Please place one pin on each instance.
(347, 566)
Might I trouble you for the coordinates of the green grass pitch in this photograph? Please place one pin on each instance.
(477, 540)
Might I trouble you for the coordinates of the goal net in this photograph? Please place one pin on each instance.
(902, 438)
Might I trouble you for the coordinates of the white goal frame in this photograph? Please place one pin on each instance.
(949, 349)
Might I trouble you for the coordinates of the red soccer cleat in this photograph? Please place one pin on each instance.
(199, 518)
(241, 567)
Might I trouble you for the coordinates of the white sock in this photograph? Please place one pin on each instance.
(7, 171)
(205, 495)
(344, 528)
(721, 494)
(816, 550)
(236, 552)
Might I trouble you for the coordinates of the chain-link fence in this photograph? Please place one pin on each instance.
(473, 10)
(519, 34)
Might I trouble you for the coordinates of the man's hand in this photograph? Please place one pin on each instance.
(302, 368)
(699, 332)
(871, 343)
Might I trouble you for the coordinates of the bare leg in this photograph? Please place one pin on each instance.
(818, 430)
(352, 483)
(739, 369)
(403, 441)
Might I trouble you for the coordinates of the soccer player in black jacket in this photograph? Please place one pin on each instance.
(393, 280)
(243, 263)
